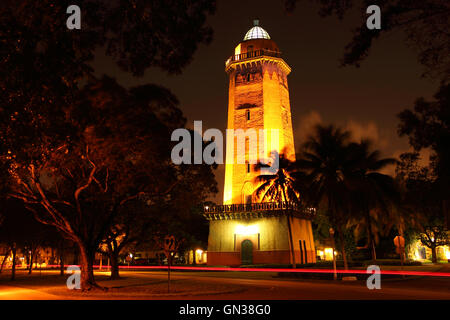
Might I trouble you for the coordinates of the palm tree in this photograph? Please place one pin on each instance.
(374, 193)
(325, 160)
(279, 186)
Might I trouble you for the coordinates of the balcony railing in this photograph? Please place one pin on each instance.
(257, 210)
(256, 207)
(253, 54)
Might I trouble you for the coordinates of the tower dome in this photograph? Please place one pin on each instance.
(256, 32)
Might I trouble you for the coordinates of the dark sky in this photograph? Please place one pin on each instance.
(365, 100)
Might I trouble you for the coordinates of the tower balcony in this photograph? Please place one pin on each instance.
(252, 54)
(247, 58)
(257, 210)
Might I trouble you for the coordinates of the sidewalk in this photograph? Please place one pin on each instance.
(19, 293)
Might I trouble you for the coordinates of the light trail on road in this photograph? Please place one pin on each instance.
(354, 271)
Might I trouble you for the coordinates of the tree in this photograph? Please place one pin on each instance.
(45, 129)
(20, 232)
(433, 237)
(127, 229)
(321, 231)
(425, 25)
(428, 126)
(373, 193)
(196, 230)
(177, 212)
(408, 176)
(171, 189)
(119, 144)
(422, 195)
(279, 187)
(183, 206)
(325, 161)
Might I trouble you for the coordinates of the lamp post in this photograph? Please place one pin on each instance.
(334, 256)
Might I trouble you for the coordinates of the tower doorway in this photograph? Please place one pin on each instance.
(247, 252)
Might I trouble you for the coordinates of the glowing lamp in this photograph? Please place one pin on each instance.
(416, 255)
(328, 253)
(246, 230)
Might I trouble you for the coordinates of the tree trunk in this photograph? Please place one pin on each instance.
(87, 269)
(27, 257)
(30, 267)
(370, 239)
(291, 240)
(374, 252)
(61, 266)
(342, 243)
(13, 271)
(61, 260)
(433, 254)
(4, 259)
(114, 257)
(75, 256)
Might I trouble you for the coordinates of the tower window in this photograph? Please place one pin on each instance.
(248, 115)
(248, 168)
(249, 51)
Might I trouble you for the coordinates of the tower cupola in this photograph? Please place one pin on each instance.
(256, 32)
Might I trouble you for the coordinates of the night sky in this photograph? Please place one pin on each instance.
(365, 100)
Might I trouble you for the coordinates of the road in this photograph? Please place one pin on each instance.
(266, 287)
(251, 286)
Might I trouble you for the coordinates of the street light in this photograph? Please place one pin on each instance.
(334, 256)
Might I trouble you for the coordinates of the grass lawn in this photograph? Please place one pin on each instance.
(424, 267)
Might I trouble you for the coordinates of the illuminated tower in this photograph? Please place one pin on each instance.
(258, 98)
(243, 230)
